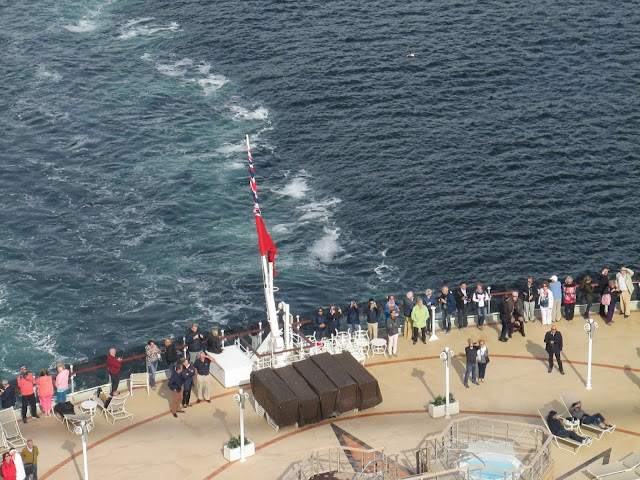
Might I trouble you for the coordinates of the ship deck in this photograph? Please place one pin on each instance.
(157, 445)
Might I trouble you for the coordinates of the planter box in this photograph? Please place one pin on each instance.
(437, 412)
(233, 454)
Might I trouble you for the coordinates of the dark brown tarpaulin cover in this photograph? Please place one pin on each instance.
(309, 407)
(275, 397)
(368, 389)
(320, 384)
(347, 387)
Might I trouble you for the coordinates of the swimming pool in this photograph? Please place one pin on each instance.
(495, 460)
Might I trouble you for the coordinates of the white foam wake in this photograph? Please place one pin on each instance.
(326, 247)
(138, 27)
(45, 74)
(297, 188)
(260, 113)
(82, 26)
(189, 71)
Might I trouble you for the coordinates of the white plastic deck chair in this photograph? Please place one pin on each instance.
(4, 445)
(630, 462)
(592, 430)
(10, 428)
(563, 443)
(116, 408)
(361, 339)
(138, 380)
(628, 475)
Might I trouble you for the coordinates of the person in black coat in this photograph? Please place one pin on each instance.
(319, 324)
(170, 355)
(557, 429)
(603, 283)
(176, 385)
(505, 317)
(463, 299)
(553, 342)
(187, 375)
(195, 340)
(214, 344)
(333, 321)
(8, 394)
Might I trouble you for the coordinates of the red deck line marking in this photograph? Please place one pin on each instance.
(501, 355)
(115, 434)
(377, 414)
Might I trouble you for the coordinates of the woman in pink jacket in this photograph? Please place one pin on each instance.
(62, 383)
(45, 391)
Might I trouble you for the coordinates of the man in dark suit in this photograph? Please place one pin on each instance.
(553, 342)
(462, 304)
(603, 283)
(516, 310)
(505, 318)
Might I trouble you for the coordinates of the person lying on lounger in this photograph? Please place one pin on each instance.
(586, 419)
(557, 429)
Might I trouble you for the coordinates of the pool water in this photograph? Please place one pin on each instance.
(503, 462)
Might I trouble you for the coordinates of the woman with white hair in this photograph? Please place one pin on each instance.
(17, 460)
(569, 290)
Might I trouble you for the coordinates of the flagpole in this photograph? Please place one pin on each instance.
(267, 254)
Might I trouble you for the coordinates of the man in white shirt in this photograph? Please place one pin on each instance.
(625, 285)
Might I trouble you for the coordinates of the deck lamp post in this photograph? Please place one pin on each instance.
(446, 357)
(590, 327)
(83, 429)
(433, 324)
(489, 302)
(240, 398)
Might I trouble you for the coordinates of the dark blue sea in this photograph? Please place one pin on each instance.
(508, 145)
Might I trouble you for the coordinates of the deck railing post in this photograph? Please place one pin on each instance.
(222, 335)
(260, 332)
(489, 302)
(72, 380)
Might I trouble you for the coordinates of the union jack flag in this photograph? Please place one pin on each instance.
(265, 243)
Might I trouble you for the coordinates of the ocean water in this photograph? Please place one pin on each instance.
(506, 146)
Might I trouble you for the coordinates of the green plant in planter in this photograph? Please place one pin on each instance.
(234, 442)
(441, 400)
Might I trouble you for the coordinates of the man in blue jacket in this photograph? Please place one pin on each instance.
(175, 384)
(194, 338)
(353, 317)
(319, 324)
(8, 394)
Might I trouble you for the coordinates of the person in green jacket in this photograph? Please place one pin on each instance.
(419, 315)
(30, 459)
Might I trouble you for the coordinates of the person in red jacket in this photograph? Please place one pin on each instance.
(8, 467)
(25, 385)
(113, 364)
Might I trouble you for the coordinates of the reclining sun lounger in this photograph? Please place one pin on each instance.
(563, 443)
(630, 462)
(592, 429)
(628, 475)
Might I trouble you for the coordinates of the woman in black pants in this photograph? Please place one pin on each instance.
(188, 373)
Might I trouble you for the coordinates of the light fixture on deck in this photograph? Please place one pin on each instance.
(83, 429)
(446, 357)
(240, 398)
(590, 327)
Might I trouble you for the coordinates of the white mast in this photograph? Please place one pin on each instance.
(268, 250)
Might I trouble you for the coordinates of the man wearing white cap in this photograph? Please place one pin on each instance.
(556, 290)
(626, 289)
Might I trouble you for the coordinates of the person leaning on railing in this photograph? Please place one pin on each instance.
(113, 365)
(194, 340)
(170, 355)
(62, 383)
(8, 394)
(152, 353)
